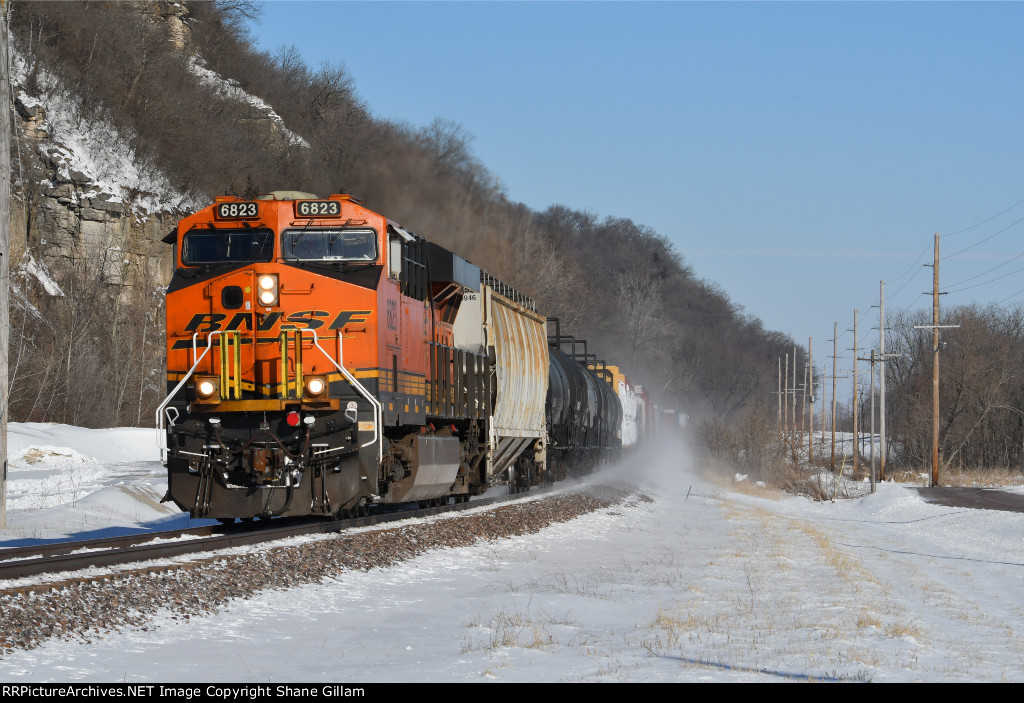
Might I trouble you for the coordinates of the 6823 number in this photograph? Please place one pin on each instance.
(229, 211)
(317, 208)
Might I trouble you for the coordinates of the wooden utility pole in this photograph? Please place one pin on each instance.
(935, 365)
(803, 411)
(810, 393)
(793, 425)
(824, 413)
(935, 327)
(881, 379)
(779, 398)
(855, 414)
(835, 355)
(785, 407)
(5, 244)
(872, 392)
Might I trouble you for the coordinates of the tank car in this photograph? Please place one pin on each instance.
(584, 411)
(321, 359)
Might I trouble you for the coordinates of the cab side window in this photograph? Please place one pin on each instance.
(395, 258)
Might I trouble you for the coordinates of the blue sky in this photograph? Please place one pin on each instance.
(795, 153)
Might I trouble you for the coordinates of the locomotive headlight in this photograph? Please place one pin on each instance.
(207, 388)
(315, 385)
(267, 290)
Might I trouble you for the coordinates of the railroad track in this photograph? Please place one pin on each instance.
(74, 556)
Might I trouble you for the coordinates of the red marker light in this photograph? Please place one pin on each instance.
(292, 418)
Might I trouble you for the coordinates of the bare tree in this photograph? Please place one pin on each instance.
(639, 294)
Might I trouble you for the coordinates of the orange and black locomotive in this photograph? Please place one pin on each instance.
(321, 359)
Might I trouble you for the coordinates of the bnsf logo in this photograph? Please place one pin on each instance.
(305, 320)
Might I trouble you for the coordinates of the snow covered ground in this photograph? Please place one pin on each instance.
(702, 582)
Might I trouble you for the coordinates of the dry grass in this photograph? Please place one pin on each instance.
(792, 472)
(725, 477)
(847, 566)
(959, 476)
(801, 480)
(867, 618)
(510, 629)
(994, 477)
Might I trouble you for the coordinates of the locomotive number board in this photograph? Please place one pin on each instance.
(317, 208)
(237, 211)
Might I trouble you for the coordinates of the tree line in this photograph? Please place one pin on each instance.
(95, 357)
(981, 389)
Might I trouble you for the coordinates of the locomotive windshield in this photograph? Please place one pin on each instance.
(218, 246)
(329, 244)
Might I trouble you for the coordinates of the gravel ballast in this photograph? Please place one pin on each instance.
(85, 609)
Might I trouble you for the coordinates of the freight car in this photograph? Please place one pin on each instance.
(585, 418)
(322, 359)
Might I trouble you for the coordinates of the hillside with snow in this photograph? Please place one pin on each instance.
(87, 150)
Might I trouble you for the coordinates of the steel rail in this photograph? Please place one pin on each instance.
(56, 548)
(22, 562)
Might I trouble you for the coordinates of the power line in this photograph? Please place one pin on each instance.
(1014, 295)
(999, 266)
(978, 224)
(913, 265)
(909, 281)
(985, 283)
(924, 252)
(919, 296)
(947, 256)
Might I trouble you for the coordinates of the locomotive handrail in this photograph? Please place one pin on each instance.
(160, 428)
(378, 409)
